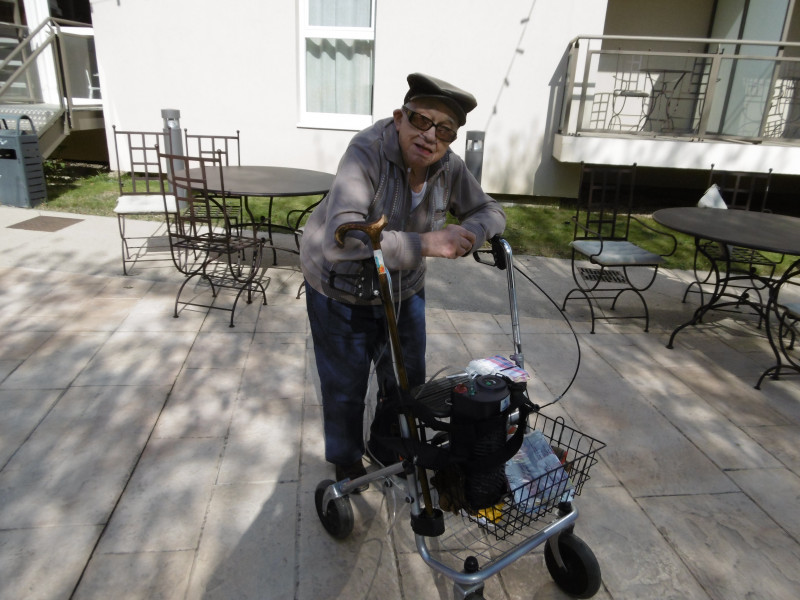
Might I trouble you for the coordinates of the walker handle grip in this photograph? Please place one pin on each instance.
(373, 231)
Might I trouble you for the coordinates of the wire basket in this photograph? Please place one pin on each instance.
(522, 506)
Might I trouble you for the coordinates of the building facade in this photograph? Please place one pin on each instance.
(674, 86)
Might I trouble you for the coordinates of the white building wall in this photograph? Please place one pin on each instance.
(233, 65)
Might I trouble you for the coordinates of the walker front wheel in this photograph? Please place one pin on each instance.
(580, 576)
(337, 518)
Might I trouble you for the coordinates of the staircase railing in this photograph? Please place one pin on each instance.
(49, 62)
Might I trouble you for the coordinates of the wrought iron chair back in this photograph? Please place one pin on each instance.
(226, 150)
(605, 262)
(141, 192)
(224, 147)
(739, 191)
(207, 246)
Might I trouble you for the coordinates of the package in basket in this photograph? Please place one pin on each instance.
(536, 476)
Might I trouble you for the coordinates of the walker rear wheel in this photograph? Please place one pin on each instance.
(580, 577)
(337, 518)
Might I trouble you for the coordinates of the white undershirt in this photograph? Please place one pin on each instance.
(416, 197)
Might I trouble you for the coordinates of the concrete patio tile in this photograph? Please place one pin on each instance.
(313, 467)
(745, 407)
(163, 321)
(60, 299)
(248, 546)
(636, 559)
(552, 359)
(284, 282)
(275, 368)
(199, 481)
(780, 440)
(437, 320)
(775, 491)
(264, 441)
(57, 362)
(480, 345)
(725, 444)
(723, 539)
(155, 312)
(474, 323)
(92, 314)
(245, 317)
(29, 568)
(418, 580)
(138, 358)
(655, 345)
(221, 349)
(19, 345)
(311, 389)
(362, 566)
(22, 411)
(284, 318)
(783, 396)
(529, 578)
(14, 322)
(200, 404)
(534, 326)
(281, 341)
(125, 287)
(445, 351)
(73, 467)
(7, 367)
(648, 454)
(162, 575)
(165, 501)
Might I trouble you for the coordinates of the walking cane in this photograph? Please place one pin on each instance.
(373, 231)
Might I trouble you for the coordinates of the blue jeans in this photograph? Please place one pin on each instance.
(348, 339)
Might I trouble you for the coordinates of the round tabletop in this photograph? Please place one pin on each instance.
(269, 181)
(756, 230)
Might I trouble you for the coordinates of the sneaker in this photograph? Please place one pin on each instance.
(353, 471)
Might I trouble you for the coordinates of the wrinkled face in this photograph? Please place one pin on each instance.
(421, 149)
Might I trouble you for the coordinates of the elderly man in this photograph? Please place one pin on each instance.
(401, 167)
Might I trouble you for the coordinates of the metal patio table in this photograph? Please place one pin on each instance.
(766, 232)
(268, 182)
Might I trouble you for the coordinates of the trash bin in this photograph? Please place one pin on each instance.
(22, 180)
(474, 155)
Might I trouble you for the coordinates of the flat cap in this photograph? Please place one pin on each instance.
(425, 86)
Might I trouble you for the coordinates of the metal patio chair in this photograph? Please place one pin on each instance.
(784, 325)
(205, 244)
(226, 149)
(605, 262)
(141, 190)
(735, 191)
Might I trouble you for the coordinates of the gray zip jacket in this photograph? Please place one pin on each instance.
(371, 181)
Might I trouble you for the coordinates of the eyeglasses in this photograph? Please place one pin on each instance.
(423, 123)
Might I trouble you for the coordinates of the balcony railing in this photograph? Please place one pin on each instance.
(693, 88)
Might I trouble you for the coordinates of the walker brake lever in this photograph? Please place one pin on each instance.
(498, 254)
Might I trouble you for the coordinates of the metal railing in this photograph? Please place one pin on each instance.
(51, 66)
(695, 88)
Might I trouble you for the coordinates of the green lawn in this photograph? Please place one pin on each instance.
(531, 229)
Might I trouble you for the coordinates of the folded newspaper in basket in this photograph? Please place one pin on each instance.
(536, 476)
(497, 365)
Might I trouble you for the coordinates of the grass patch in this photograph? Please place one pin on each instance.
(531, 229)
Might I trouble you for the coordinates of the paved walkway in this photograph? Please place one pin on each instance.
(143, 456)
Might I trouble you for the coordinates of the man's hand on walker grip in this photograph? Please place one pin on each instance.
(451, 242)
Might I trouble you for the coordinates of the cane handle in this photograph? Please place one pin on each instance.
(373, 231)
